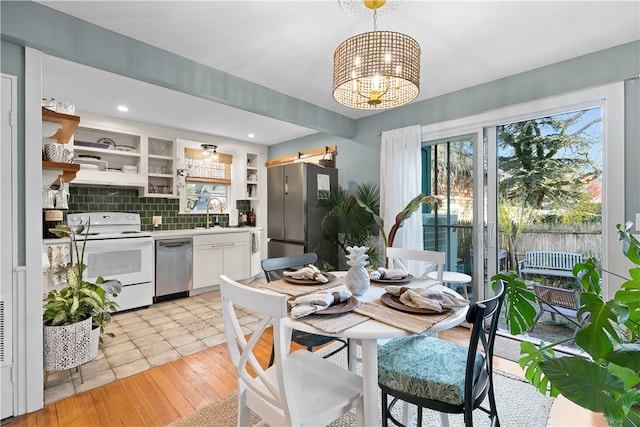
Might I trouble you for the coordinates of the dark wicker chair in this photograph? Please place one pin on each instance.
(272, 268)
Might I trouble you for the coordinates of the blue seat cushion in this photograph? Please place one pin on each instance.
(426, 367)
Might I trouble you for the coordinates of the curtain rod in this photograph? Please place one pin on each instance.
(301, 155)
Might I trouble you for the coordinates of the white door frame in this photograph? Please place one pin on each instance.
(8, 240)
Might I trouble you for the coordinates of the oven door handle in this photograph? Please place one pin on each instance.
(119, 244)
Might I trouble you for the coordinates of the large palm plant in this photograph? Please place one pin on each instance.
(348, 224)
(354, 220)
(608, 379)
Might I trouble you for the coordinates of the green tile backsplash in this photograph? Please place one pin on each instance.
(107, 199)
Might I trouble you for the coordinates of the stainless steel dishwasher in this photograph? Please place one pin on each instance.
(173, 268)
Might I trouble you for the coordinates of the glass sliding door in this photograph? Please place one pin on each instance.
(549, 184)
(548, 189)
(448, 167)
(567, 184)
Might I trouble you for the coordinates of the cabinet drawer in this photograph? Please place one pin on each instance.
(217, 238)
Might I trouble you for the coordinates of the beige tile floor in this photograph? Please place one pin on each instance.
(145, 338)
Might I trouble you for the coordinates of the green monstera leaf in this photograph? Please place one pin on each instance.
(519, 307)
(586, 384)
(599, 333)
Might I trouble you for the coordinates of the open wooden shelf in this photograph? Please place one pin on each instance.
(68, 169)
(69, 124)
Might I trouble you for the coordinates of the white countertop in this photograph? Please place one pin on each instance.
(169, 234)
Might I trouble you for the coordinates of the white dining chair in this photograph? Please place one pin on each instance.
(428, 261)
(301, 388)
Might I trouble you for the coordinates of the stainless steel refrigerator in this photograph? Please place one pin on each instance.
(294, 216)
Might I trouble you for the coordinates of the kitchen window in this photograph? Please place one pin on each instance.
(199, 193)
(206, 177)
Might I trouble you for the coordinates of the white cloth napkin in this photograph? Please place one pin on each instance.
(429, 298)
(308, 304)
(310, 272)
(388, 274)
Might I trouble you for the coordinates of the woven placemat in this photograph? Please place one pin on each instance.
(417, 324)
(287, 288)
(334, 323)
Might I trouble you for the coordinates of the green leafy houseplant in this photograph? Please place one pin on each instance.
(354, 219)
(400, 218)
(608, 379)
(348, 225)
(80, 299)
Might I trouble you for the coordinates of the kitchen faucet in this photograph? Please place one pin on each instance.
(208, 203)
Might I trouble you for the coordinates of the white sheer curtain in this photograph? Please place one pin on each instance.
(400, 182)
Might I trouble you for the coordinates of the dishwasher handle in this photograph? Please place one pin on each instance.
(179, 244)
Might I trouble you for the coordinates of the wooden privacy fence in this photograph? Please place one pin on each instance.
(588, 244)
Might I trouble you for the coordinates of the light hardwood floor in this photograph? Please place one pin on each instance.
(166, 393)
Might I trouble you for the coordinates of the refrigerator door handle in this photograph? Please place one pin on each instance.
(286, 185)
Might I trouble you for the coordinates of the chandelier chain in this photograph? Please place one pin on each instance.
(375, 19)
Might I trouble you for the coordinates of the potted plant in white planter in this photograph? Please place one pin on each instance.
(72, 313)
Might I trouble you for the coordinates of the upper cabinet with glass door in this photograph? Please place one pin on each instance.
(161, 168)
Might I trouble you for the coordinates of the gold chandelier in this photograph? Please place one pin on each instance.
(376, 70)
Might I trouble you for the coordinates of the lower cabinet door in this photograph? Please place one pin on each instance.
(207, 265)
(236, 260)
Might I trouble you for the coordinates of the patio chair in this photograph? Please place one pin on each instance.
(441, 375)
(272, 268)
(556, 300)
(301, 388)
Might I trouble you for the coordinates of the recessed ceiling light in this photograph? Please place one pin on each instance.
(123, 108)
(251, 135)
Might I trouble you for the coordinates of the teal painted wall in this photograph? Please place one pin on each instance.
(632, 149)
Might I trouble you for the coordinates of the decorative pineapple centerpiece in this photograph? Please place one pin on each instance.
(357, 279)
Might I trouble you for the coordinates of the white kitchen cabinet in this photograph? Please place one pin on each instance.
(252, 180)
(108, 157)
(220, 253)
(161, 169)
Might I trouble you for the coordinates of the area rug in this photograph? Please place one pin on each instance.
(507, 348)
(519, 405)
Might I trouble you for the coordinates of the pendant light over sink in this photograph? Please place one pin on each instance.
(376, 70)
(209, 152)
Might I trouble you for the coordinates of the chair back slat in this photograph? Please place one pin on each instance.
(272, 307)
(483, 316)
(430, 260)
(273, 266)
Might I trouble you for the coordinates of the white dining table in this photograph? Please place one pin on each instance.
(369, 332)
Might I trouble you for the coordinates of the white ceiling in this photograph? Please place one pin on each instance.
(288, 46)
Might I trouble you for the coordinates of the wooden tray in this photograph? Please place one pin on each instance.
(394, 302)
(329, 276)
(394, 281)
